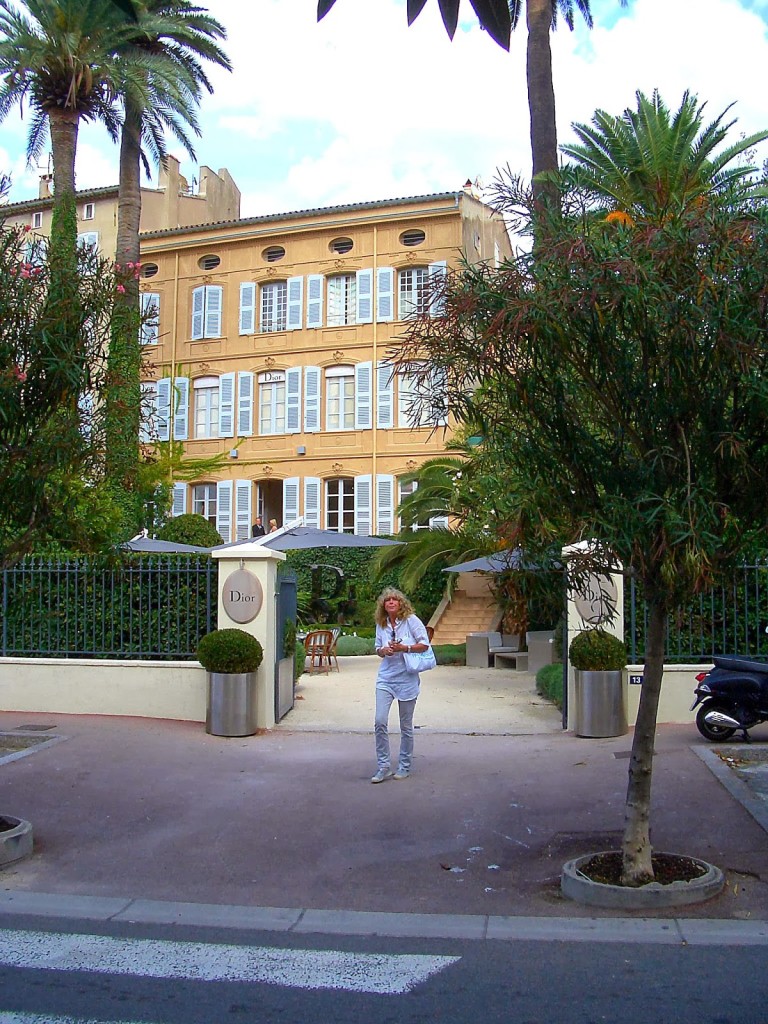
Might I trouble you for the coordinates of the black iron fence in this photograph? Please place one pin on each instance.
(146, 606)
(730, 619)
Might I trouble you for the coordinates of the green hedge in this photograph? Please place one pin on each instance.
(450, 654)
(549, 683)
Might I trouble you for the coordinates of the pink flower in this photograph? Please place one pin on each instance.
(27, 227)
(121, 289)
(19, 374)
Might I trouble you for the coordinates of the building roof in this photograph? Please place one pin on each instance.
(298, 214)
(44, 201)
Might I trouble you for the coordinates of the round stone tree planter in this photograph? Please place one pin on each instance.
(581, 889)
(15, 839)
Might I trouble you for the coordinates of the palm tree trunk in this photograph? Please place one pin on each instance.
(63, 126)
(129, 195)
(541, 92)
(637, 868)
(122, 393)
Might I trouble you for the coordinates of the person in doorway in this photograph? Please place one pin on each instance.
(272, 525)
(258, 528)
(398, 631)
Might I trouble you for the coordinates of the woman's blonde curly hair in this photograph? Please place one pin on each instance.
(406, 608)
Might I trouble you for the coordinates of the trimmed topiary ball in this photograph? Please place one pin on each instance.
(190, 528)
(230, 651)
(596, 650)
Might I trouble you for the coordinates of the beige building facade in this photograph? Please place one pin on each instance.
(267, 341)
(173, 204)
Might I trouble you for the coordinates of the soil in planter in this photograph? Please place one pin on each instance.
(667, 868)
(5, 825)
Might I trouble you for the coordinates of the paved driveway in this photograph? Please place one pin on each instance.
(493, 702)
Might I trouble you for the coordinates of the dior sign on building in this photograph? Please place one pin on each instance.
(242, 596)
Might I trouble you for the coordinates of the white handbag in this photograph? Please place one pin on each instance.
(420, 661)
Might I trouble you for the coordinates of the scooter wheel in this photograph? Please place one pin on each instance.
(711, 732)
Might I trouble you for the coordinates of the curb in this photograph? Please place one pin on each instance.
(308, 922)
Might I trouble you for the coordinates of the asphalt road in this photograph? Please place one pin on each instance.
(108, 973)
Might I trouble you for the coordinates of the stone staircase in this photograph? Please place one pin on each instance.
(466, 613)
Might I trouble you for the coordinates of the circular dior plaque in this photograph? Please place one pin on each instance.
(242, 596)
(596, 602)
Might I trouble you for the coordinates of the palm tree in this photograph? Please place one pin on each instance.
(58, 56)
(647, 164)
(177, 35)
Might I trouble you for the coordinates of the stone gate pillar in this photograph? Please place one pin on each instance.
(597, 601)
(247, 600)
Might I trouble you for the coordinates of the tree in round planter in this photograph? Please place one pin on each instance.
(231, 657)
(599, 658)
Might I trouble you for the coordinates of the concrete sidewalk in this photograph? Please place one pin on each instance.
(137, 809)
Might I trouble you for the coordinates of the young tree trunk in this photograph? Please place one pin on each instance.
(541, 92)
(636, 846)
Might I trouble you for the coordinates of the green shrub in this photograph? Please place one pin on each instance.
(348, 646)
(190, 528)
(230, 650)
(450, 654)
(299, 659)
(549, 683)
(596, 650)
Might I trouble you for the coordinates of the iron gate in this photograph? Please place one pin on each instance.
(285, 610)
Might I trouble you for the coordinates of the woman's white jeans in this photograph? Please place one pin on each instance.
(406, 707)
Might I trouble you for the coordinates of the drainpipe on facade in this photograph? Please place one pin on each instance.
(374, 383)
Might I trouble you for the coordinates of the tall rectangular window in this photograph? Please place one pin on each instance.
(274, 306)
(272, 403)
(340, 505)
(342, 300)
(414, 292)
(206, 407)
(89, 211)
(37, 220)
(340, 398)
(204, 501)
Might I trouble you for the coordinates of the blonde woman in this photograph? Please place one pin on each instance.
(398, 630)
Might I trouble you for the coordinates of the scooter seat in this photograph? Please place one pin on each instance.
(736, 664)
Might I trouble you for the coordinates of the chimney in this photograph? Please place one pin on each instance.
(45, 190)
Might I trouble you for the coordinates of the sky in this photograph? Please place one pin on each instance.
(360, 107)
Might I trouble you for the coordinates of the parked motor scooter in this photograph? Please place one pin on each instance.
(732, 697)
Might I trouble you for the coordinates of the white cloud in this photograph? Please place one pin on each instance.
(363, 107)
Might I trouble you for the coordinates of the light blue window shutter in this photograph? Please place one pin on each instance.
(363, 396)
(198, 310)
(150, 318)
(312, 492)
(243, 490)
(224, 510)
(148, 413)
(438, 523)
(365, 296)
(385, 393)
(163, 407)
(385, 503)
(227, 405)
(439, 405)
(179, 506)
(312, 379)
(247, 307)
(385, 294)
(290, 500)
(295, 297)
(244, 403)
(363, 506)
(293, 400)
(181, 408)
(437, 275)
(315, 284)
(213, 302)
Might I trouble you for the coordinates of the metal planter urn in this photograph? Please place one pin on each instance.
(231, 657)
(599, 658)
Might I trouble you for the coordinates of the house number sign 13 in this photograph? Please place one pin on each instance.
(242, 596)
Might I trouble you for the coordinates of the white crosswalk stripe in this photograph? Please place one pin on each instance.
(38, 1018)
(377, 973)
